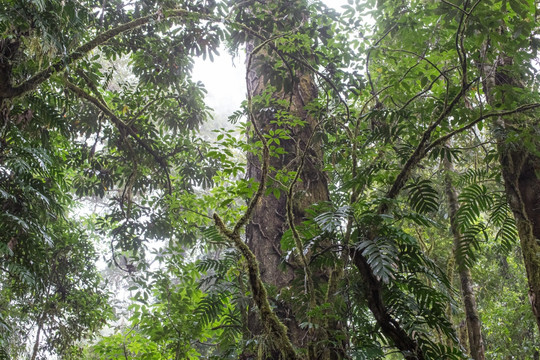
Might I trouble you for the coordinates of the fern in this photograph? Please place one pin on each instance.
(21, 273)
(331, 221)
(500, 211)
(217, 272)
(431, 305)
(474, 199)
(501, 217)
(229, 259)
(3, 352)
(380, 254)
(232, 326)
(433, 350)
(211, 307)
(46, 106)
(474, 176)
(422, 311)
(468, 243)
(423, 197)
(443, 152)
(507, 234)
(211, 234)
(421, 306)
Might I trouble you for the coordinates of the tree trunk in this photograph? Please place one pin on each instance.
(476, 342)
(35, 350)
(269, 220)
(520, 166)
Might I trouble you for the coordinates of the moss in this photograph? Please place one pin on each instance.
(273, 326)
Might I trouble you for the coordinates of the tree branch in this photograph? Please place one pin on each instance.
(81, 51)
(420, 150)
(121, 126)
(373, 92)
(444, 138)
(391, 328)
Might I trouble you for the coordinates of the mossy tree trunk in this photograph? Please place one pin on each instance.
(520, 168)
(289, 93)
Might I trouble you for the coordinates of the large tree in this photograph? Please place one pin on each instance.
(282, 92)
(505, 83)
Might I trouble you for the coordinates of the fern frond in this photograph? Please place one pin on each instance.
(212, 235)
(444, 152)
(469, 243)
(507, 234)
(474, 176)
(46, 106)
(474, 199)
(433, 350)
(381, 255)
(211, 307)
(332, 221)
(422, 196)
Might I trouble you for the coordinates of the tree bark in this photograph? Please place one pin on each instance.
(303, 152)
(382, 314)
(476, 341)
(520, 166)
(269, 219)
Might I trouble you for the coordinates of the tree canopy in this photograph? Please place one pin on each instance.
(375, 196)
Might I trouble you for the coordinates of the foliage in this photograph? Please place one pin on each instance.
(98, 107)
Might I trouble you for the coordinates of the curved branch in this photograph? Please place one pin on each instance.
(374, 287)
(310, 286)
(373, 92)
(420, 150)
(274, 327)
(390, 326)
(421, 57)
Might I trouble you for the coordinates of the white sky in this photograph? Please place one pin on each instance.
(224, 80)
